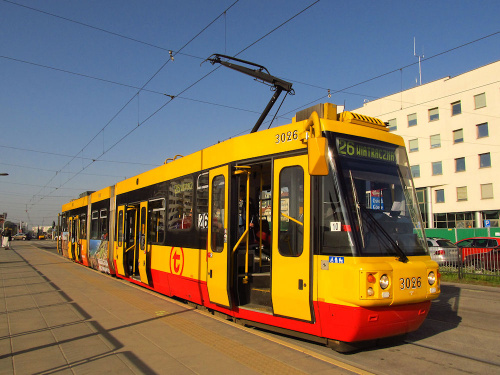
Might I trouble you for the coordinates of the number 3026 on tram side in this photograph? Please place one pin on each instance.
(311, 228)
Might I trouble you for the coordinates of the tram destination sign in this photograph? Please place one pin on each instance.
(365, 150)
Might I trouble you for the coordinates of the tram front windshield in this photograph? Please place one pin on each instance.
(378, 215)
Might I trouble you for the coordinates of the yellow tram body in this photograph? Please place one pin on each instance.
(243, 227)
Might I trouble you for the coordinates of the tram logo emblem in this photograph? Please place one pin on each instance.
(176, 260)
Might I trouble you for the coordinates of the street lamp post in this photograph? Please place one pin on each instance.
(3, 223)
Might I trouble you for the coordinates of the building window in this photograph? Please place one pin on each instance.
(480, 100)
(422, 203)
(440, 196)
(435, 141)
(437, 168)
(413, 145)
(454, 220)
(482, 130)
(493, 217)
(461, 193)
(484, 160)
(486, 191)
(412, 119)
(434, 114)
(459, 164)
(393, 125)
(458, 136)
(456, 108)
(415, 171)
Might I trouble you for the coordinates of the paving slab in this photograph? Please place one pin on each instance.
(57, 316)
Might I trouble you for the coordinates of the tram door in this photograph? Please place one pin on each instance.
(131, 249)
(218, 252)
(291, 287)
(142, 242)
(76, 234)
(71, 242)
(120, 241)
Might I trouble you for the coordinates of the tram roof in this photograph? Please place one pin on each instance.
(272, 141)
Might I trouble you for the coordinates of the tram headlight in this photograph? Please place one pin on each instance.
(431, 277)
(384, 281)
(370, 292)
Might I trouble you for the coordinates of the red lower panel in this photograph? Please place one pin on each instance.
(352, 324)
(344, 323)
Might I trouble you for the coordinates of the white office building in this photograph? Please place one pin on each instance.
(451, 129)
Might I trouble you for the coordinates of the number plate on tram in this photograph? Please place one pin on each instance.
(410, 283)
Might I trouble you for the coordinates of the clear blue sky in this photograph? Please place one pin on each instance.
(69, 69)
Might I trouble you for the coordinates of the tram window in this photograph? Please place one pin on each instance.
(143, 229)
(120, 229)
(64, 224)
(156, 221)
(83, 226)
(180, 204)
(202, 201)
(103, 224)
(218, 224)
(334, 235)
(73, 230)
(94, 229)
(291, 212)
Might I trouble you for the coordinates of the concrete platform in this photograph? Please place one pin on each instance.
(57, 316)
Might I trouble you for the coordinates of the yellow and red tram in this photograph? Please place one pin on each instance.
(312, 228)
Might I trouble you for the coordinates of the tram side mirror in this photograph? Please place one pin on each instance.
(317, 151)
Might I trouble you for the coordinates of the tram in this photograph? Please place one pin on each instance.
(311, 229)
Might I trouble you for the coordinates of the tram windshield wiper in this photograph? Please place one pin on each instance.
(402, 256)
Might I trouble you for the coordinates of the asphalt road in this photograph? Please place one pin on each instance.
(460, 335)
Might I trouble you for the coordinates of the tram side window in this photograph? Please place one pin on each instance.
(333, 231)
(180, 204)
(218, 214)
(83, 226)
(64, 224)
(202, 201)
(94, 228)
(103, 224)
(291, 212)
(156, 221)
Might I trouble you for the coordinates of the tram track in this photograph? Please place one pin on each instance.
(458, 355)
(451, 325)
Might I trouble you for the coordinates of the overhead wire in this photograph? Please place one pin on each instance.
(102, 29)
(144, 89)
(189, 87)
(128, 102)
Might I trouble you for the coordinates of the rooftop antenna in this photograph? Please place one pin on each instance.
(419, 61)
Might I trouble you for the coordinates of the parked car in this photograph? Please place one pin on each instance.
(20, 236)
(443, 251)
(477, 245)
